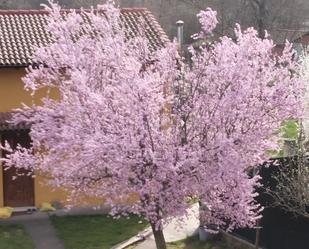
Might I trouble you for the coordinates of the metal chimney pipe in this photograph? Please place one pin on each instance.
(180, 32)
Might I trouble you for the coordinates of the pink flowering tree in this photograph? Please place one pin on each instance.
(119, 128)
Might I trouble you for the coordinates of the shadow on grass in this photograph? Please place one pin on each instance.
(194, 243)
(96, 231)
(218, 242)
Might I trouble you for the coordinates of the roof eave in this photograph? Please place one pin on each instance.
(15, 66)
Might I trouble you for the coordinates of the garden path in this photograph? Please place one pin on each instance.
(41, 230)
(178, 229)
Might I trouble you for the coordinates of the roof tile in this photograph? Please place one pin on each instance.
(22, 30)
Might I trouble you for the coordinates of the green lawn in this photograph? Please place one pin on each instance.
(217, 243)
(95, 231)
(14, 237)
(220, 242)
(288, 131)
(194, 243)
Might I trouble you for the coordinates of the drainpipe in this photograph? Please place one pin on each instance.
(180, 34)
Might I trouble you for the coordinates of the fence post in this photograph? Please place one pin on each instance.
(257, 234)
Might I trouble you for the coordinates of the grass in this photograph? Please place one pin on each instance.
(194, 243)
(220, 242)
(289, 129)
(95, 231)
(14, 237)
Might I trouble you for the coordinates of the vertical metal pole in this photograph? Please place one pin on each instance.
(258, 222)
(180, 34)
(257, 235)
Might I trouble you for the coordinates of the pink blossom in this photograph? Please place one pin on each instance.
(208, 21)
(134, 121)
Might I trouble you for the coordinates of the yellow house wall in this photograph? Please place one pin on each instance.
(1, 185)
(12, 95)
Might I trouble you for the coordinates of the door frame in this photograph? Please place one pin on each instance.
(12, 133)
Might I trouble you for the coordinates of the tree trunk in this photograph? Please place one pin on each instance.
(260, 8)
(262, 19)
(159, 237)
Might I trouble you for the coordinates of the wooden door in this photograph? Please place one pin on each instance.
(18, 184)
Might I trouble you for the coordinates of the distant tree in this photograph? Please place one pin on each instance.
(23, 4)
(4, 4)
(80, 3)
(118, 128)
(290, 190)
(283, 19)
(36, 4)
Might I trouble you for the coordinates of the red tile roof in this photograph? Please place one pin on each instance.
(21, 30)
